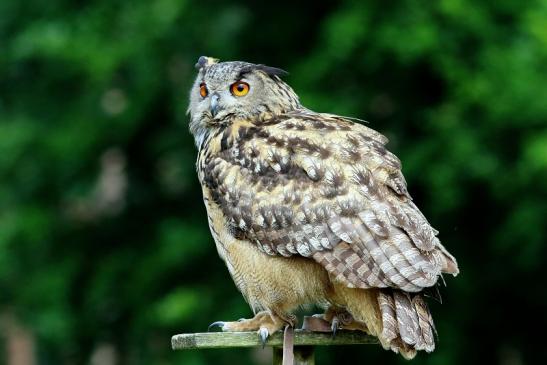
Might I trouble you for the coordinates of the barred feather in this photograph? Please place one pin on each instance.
(427, 340)
(318, 187)
(406, 320)
(389, 319)
(306, 198)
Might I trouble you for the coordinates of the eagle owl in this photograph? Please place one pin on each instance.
(310, 208)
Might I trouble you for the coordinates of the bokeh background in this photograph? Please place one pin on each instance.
(104, 248)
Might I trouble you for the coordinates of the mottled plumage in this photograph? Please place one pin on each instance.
(311, 208)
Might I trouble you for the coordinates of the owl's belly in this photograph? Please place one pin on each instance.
(268, 282)
(275, 283)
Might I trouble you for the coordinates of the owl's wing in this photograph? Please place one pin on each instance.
(321, 186)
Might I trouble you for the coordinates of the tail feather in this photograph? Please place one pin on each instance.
(426, 340)
(407, 322)
(407, 319)
(401, 320)
(389, 319)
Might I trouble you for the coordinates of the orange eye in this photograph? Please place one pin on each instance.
(239, 88)
(203, 90)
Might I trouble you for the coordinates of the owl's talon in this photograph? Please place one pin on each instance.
(263, 333)
(216, 324)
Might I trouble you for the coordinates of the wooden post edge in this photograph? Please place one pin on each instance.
(211, 340)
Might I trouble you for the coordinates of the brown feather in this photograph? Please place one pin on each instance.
(305, 196)
(311, 208)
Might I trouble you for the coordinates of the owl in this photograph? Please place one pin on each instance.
(310, 208)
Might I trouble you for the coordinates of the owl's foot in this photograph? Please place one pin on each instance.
(265, 323)
(341, 319)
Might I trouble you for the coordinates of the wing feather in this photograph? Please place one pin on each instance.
(321, 186)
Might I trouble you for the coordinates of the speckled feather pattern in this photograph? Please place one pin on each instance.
(302, 183)
(321, 191)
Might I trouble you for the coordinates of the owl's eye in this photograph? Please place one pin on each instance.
(203, 90)
(239, 88)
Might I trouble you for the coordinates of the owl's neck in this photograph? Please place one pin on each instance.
(203, 130)
(200, 131)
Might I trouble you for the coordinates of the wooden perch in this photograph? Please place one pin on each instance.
(216, 340)
(303, 341)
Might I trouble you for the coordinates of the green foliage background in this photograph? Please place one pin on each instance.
(97, 90)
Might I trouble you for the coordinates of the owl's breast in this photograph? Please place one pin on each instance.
(266, 281)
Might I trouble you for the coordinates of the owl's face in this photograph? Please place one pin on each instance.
(226, 91)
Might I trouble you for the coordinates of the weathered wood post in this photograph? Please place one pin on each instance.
(303, 355)
(304, 342)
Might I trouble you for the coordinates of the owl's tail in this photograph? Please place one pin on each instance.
(407, 325)
(401, 321)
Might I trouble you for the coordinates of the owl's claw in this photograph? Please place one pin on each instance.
(216, 324)
(263, 333)
(263, 322)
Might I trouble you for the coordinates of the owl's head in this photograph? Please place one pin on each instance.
(224, 91)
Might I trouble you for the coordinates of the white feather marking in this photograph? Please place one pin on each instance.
(260, 220)
(316, 244)
(291, 248)
(325, 242)
(303, 250)
(345, 237)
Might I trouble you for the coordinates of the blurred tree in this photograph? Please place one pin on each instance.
(104, 248)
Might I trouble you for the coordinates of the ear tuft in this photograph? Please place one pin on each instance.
(270, 71)
(205, 61)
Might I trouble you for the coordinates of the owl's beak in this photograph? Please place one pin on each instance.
(214, 104)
